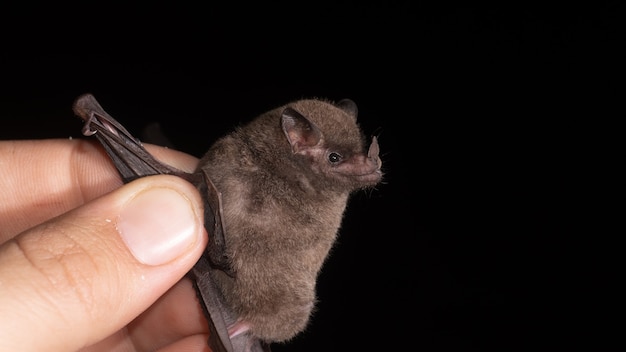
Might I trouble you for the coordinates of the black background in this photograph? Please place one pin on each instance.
(470, 242)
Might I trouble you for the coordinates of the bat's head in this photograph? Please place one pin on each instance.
(326, 139)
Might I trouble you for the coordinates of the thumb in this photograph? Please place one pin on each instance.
(80, 277)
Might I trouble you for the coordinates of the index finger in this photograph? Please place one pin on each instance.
(41, 179)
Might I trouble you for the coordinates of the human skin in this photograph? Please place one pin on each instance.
(88, 263)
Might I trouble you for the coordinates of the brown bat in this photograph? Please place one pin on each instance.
(275, 191)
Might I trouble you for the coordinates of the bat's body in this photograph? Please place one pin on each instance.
(275, 192)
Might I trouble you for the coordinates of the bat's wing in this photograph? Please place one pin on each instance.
(128, 154)
(133, 161)
(214, 307)
(222, 319)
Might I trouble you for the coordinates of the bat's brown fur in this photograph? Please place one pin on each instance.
(283, 203)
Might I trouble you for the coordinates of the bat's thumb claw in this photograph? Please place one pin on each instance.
(87, 131)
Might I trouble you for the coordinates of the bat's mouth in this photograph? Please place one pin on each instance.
(370, 178)
(375, 175)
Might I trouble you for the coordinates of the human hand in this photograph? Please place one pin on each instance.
(87, 263)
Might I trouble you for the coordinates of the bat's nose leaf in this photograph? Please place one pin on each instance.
(373, 150)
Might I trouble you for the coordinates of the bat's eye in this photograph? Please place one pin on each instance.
(334, 157)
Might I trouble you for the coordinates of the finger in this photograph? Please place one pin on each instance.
(189, 343)
(175, 317)
(45, 178)
(182, 311)
(80, 277)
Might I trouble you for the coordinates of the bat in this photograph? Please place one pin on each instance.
(275, 190)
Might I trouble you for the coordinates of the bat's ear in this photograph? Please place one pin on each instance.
(300, 131)
(349, 107)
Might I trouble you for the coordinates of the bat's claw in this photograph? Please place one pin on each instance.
(87, 131)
